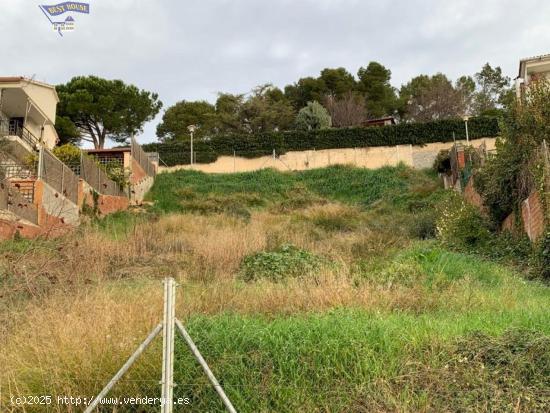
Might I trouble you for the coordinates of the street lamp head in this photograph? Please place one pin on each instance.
(192, 128)
(465, 118)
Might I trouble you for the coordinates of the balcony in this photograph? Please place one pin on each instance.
(13, 128)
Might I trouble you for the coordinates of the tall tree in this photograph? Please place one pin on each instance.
(102, 109)
(347, 111)
(380, 95)
(267, 110)
(428, 98)
(493, 89)
(178, 117)
(228, 110)
(307, 89)
(338, 81)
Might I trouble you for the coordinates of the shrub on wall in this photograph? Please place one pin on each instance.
(261, 144)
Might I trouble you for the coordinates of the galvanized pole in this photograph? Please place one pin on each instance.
(168, 346)
(123, 369)
(40, 162)
(202, 362)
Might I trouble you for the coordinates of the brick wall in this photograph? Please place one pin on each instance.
(472, 196)
(532, 214)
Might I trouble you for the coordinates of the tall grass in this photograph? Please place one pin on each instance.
(387, 322)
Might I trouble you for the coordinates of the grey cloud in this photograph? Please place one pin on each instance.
(192, 49)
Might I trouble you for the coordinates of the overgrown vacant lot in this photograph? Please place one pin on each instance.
(320, 291)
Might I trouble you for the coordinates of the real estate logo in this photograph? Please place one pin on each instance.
(61, 15)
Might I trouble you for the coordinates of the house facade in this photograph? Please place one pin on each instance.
(27, 112)
(531, 69)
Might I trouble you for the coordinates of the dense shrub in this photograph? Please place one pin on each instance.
(255, 145)
(542, 257)
(287, 261)
(460, 225)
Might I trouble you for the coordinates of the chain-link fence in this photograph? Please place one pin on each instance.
(97, 178)
(142, 158)
(58, 175)
(14, 201)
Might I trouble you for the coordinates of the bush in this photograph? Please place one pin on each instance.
(68, 154)
(261, 144)
(542, 257)
(442, 163)
(460, 225)
(287, 261)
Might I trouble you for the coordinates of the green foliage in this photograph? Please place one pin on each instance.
(379, 94)
(541, 257)
(508, 178)
(68, 153)
(287, 261)
(313, 117)
(494, 90)
(357, 186)
(101, 109)
(442, 162)
(178, 117)
(427, 98)
(461, 226)
(266, 110)
(67, 131)
(117, 173)
(337, 81)
(260, 144)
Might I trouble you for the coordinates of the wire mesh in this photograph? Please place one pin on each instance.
(59, 176)
(98, 179)
(142, 158)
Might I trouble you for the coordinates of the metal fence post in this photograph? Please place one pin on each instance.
(168, 346)
(40, 162)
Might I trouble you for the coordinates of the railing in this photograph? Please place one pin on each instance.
(142, 158)
(11, 128)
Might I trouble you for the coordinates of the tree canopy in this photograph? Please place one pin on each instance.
(313, 117)
(95, 109)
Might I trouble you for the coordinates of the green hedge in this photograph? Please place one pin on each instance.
(261, 144)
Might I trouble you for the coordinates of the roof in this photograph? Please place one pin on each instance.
(17, 79)
(531, 59)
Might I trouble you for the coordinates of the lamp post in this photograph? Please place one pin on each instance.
(192, 129)
(466, 126)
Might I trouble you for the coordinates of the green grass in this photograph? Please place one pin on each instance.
(173, 191)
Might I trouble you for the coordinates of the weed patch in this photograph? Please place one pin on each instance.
(287, 261)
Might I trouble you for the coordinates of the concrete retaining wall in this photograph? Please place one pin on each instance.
(419, 157)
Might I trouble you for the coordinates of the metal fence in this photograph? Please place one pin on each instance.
(98, 179)
(58, 175)
(142, 158)
(14, 201)
(12, 128)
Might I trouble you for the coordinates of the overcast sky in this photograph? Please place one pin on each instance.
(192, 49)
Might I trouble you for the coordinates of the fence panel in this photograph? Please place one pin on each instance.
(12, 200)
(98, 179)
(58, 175)
(142, 158)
